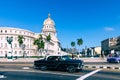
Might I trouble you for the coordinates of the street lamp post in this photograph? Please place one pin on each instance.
(9, 40)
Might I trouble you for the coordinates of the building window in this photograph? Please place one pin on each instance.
(1, 38)
(28, 52)
(1, 52)
(15, 45)
(5, 31)
(28, 46)
(15, 52)
(20, 53)
(15, 38)
(1, 44)
(11, 31)
(1, 31)
(5, 52)
(5, 45)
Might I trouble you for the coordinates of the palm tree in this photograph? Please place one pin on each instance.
(40, 43)
(48, 38)
(73, 45)
(20, 41)
(79, 42)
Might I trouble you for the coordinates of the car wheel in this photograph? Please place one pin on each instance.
(43, 68)
(71, 69)
(34, 66)
(118, 61)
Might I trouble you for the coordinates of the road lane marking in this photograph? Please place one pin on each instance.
(25, 68)
(88, 74)
(2, 76)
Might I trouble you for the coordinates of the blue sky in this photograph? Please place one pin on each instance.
(91, 20)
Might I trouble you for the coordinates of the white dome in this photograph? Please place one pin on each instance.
(48, 21)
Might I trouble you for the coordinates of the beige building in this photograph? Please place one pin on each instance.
(30, 49)
(117, 45)
(94, 51)
(97, 50)
(108, 45)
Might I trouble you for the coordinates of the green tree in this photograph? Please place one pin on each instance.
(39, 43)
(48, 38)
(79, 42)
(73, 45)
(20, 41)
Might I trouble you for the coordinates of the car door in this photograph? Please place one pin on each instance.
(52, 62)
(61, 64)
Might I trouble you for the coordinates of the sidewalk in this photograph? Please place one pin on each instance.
(98, 59)
(18, 60)
(32, 60)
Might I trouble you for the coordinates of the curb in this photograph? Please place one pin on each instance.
(103, 67)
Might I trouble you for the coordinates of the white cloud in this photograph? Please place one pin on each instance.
(109, 29)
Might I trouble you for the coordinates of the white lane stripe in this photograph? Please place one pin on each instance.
(89, 74)
(2, 76)
(25, 68)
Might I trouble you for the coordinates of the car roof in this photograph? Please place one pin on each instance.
(56, 55)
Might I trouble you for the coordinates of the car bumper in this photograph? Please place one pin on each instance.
(113, 61)
(80, 67)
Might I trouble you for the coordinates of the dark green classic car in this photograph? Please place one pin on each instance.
(60, 63)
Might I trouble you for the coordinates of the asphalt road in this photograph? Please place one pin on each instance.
(20, 71)
(57, 75)
(15, 75)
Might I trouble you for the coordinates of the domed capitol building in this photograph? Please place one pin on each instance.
(29, 49)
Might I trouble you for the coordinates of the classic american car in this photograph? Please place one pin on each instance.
(60, 63)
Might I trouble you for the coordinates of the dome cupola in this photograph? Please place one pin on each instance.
(49, 27)
(48, 21)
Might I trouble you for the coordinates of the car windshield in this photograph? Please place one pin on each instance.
(65, 57)
(114, 55)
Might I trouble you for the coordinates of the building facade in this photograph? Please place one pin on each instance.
(108, 45)
(29, 49)
(92, 51)
(116, 47)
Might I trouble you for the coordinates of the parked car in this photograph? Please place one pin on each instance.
(60, 63)
(113, 58)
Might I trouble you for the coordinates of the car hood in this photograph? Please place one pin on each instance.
(113, 58)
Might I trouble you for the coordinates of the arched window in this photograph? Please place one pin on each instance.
(1, 31)
(5, 31)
